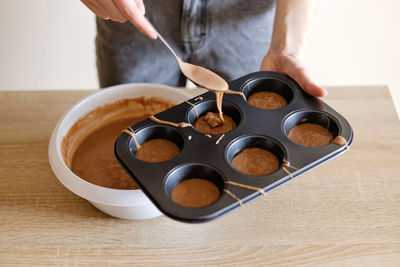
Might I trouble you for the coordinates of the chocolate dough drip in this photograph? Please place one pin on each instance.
(219, 139)
(194, 108)
(180, 124)
(157, 150)
(219, 96)
(131, 133)
(210, 123)
(339, 140)
(255, 161)
(310, 134)
(286, 165)
(195, 193)
(247, 187)
(267, 100)
(235, 93)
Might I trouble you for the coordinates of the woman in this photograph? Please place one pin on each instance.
(230, 37)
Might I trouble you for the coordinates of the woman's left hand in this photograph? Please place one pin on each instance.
(292, 66)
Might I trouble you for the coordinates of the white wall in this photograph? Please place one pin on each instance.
(356, 42)
(49, 44)
(46, 44)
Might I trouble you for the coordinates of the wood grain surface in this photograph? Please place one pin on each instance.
(344, 213)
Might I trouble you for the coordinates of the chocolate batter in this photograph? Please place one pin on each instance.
(195, 193)
(255, 161)
(210, 123)
(157, 150)
(180, 124)
(339, 140)
(310, 134)
(267, 100)
(88, 147)
(94, 159)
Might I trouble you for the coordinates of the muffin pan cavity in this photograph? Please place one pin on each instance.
(315, 117)
(277, 90)
(237, 146)
(203, 107)
(157, 132)
(207, 182)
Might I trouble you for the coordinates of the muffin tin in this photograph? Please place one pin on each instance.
(201, 157)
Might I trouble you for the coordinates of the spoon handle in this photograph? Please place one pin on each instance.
(165, 42)
(167, 45)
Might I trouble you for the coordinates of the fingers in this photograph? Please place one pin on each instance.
(95, 9)
(293, 67)
(112, 10)
(105, 9)
(302, 78)
(134, 11)
(121, 11)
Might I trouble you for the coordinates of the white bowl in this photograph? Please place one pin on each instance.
(124, 204)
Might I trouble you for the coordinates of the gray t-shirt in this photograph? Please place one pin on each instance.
(230, 37)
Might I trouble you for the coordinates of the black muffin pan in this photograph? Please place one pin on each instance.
(201, 157)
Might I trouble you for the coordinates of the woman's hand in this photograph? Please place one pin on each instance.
(292, 66)
(122, 11)
(292, 19)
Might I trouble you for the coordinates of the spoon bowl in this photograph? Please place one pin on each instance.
(203, 77)
(198, 75)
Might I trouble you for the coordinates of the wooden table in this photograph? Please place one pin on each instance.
(346, 212)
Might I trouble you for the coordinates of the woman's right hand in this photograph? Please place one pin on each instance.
(122, 11)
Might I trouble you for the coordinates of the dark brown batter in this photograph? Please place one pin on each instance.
(94, 159)
(195, 193)
(88, 147)
(210, 123)
(255, 161)
(267, 100)
(310, 134)
(157, 150)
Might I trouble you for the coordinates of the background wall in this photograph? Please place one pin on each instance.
(46, 44)
(50, 44)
